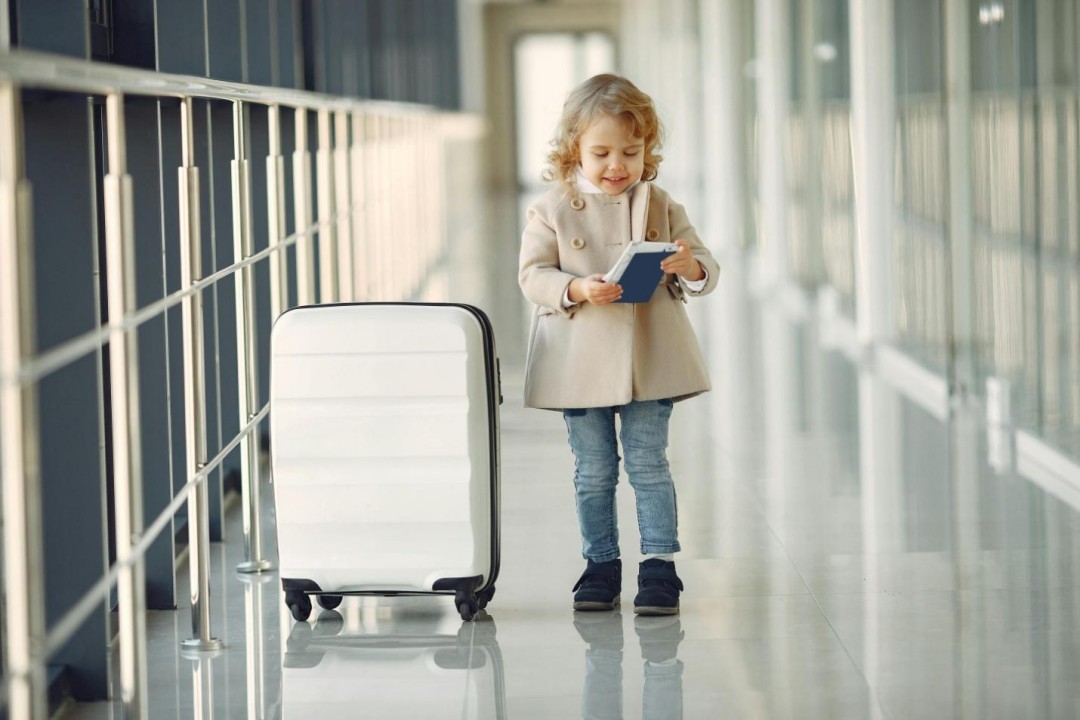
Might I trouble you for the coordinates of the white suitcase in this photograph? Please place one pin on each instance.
(385, 452)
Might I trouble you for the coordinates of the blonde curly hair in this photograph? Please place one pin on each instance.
(601, 95)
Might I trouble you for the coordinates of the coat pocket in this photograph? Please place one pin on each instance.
(675, 289)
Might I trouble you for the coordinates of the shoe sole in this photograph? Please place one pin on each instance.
(593, 606)
(656, 610)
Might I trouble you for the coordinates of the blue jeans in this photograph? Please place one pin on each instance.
(644, 434)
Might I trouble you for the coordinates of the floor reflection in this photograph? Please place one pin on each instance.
(659, 638)
(417, 661)
(260, 590)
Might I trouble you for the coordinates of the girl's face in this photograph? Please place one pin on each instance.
(611, 157)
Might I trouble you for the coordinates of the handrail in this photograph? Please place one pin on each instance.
(44, 71)
(65, 628)
(77, 347)
(357, 139)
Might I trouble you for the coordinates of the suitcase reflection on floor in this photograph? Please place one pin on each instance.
(659, 638)
(413, 661)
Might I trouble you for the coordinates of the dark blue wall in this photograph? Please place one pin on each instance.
(59, 167)
(153, 250)
(404, 50)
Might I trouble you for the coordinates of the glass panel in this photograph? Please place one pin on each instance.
(1057, 195)
(838, 210)
(1056, 258)
(820, 209)
(1026, 191)
(831, 55)
(750, 125)
(803, 129)
(1002, 141)
(921, 240)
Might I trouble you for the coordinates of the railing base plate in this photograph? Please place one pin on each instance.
(197, 649)
(254, 566)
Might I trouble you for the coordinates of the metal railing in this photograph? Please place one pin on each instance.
(374, 165)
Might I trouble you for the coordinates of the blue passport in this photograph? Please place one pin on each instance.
(638, 270)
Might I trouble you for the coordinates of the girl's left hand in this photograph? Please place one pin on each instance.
(683, 263)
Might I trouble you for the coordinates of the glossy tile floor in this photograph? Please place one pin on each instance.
(845, 555)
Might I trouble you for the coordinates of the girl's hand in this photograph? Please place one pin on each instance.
(593, 289)
(683, 263)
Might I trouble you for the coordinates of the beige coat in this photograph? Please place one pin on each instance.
(602, 356)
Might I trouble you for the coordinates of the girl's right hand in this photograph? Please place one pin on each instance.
(593, 289)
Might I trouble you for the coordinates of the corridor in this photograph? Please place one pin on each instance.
(878, 500)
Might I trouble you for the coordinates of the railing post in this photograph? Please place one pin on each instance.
(371, 204)
(124, 384)
(425, 244)
(410, 179)
(873, 128)
(247, 368)
(773, 165)
(194, 390)
(305, 248)
(427, 193)
(361, 290)
(438, 210)
(404, 198)
(376, 200)
(343, 207)
(275, 208)
(421, 132)
(324, 162)
(386, 143)
(961, 248)
(24, 617)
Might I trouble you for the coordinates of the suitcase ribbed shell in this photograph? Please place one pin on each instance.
(382, 442)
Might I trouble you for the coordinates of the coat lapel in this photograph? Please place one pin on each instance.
(639, 211)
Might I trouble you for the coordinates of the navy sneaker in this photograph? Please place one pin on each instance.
(658, 588)
(599, 586)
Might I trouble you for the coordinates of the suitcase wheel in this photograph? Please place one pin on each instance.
(468, 610)
(329, 602)
(467, 605)
(485, 597)
(299, 605)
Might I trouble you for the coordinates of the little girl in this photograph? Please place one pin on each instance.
(593, 357)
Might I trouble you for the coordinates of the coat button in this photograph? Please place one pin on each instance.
(577, 243)
(577, 203)
(652, 234)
